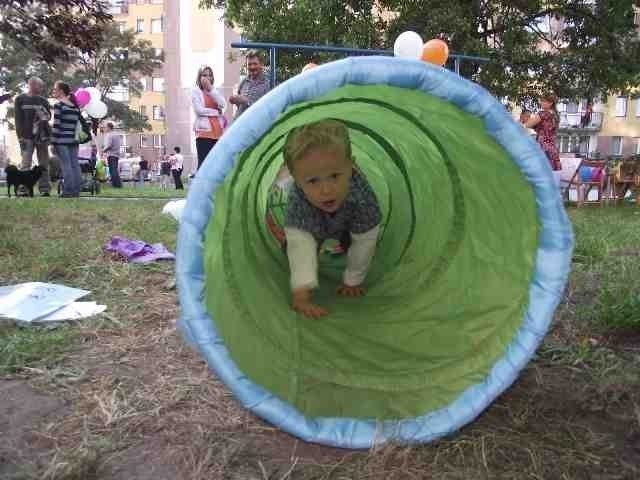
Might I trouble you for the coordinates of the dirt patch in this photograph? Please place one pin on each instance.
(628, 338)
(24, 412)
(149, 460)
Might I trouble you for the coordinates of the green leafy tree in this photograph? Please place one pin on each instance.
(49, 28)
(321, 22)
(574, 48)
(118, 60)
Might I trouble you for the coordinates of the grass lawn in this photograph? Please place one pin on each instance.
(120, 396)
(148, 191)
(128, 190)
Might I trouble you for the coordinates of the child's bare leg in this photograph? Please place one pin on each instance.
(301, 301)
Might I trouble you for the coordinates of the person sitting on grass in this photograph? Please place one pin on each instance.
(330, 198)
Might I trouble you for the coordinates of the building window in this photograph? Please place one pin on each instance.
(616, 145)
(143, 110)
(158, 141)
(637, 145)
(119, 93)
(140, 25)
(158, 84)
(158, 112)
(638, 107)
(157, 2)
(621, 107)
(156, 25)
(145, 140)
(122, 26)
(158, 52)
(572, 107)
(141, 2)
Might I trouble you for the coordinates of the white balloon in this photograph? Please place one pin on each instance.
(408, 45)
(95, 94)
(97, 109)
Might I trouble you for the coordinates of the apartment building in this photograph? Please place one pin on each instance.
(613, 127)
(187, 37)
(147, 19)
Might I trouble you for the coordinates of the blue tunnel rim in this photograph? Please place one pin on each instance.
(551, 270)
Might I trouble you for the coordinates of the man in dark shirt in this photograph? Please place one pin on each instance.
(32, 115)
(143, 172)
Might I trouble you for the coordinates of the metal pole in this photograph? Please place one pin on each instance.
(456, 65)
(273, 64)
(345, 50)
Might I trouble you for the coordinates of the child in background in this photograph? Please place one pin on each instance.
(330, 198)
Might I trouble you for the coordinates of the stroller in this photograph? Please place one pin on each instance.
(88, 181)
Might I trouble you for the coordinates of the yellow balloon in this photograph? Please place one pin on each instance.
(435, 51)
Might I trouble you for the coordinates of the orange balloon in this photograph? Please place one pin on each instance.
(435, 51)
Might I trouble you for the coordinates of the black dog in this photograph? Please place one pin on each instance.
(28, 178)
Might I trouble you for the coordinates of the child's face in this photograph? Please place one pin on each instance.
(324, 175)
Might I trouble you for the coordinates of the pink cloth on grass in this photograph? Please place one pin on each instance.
(137, 251)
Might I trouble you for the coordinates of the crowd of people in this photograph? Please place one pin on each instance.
(68, 133)
(33, 115)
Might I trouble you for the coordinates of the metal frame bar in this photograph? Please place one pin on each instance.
(274, 47)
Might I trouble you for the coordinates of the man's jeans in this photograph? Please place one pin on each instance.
(113, 172)
(27, 147)
(142, 174)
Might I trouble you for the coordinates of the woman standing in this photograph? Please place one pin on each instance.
(545, 123)
(66, 115)
(208, 105)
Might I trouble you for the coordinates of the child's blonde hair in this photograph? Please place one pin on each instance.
(325, 134)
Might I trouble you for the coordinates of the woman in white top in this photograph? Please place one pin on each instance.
(208, 105)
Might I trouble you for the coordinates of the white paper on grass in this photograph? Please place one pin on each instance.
(33, 300)
(73, 311)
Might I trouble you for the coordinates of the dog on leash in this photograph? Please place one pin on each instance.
(28, 178)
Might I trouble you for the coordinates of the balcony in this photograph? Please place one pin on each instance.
(118, 7)
(573, 121)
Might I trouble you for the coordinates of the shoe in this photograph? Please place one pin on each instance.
(45, 194)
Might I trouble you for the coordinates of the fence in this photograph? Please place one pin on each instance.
(274, 48)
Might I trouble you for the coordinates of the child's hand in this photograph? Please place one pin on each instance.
(347, 291)
(301, 303)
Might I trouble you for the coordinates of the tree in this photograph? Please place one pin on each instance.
(568, 47)
(118, 60)
(304, 21)
(50, 27)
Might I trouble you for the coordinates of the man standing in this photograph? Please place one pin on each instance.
(177, 164)
(32, 115)
(253, 87)
(111, 149)
(144, 170)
